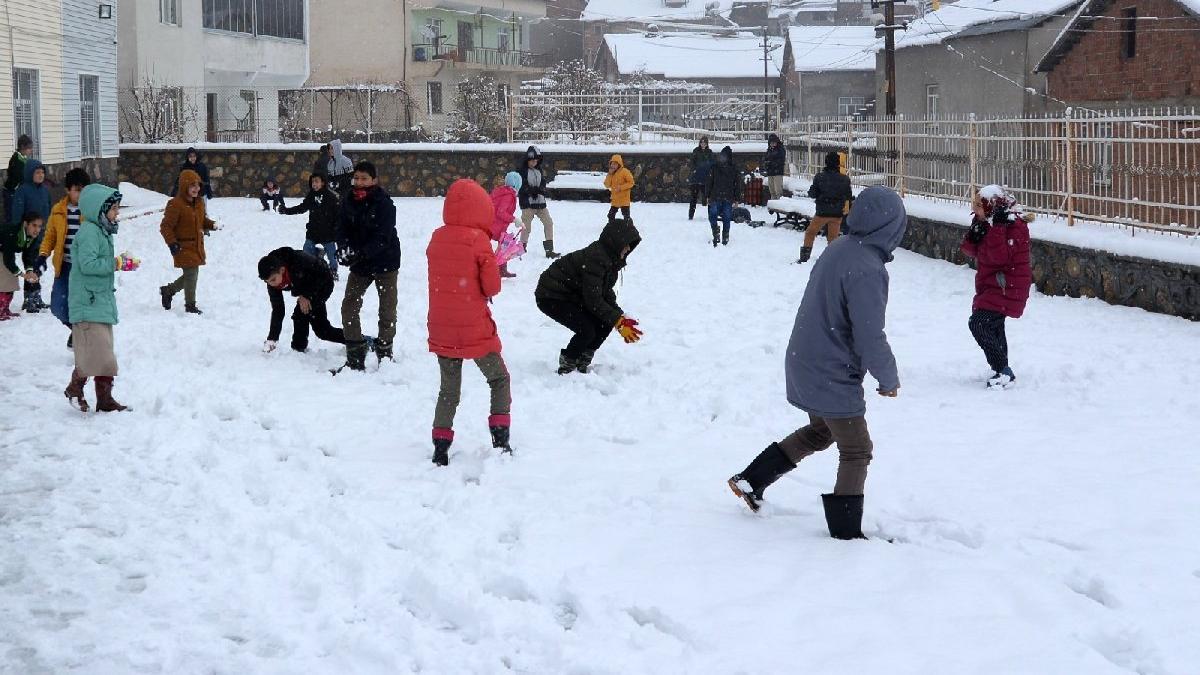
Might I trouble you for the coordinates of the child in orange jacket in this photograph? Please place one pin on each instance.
(619, 182)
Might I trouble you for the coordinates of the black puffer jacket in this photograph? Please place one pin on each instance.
(201, 170)
(725, 178)
(587, 276)
(310, 278)
(322, 209)
(532, 196)
(831, 190)
(367, 233)
(775, 161)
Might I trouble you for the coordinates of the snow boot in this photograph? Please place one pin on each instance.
(74, 392)
(691, 211)
(566, 364)
(192, 309)
(104, 398)
(504, 273)
(716, 236)
(383, 350)
(549, 246)
(442, 438)
(725, 236)
(805, 254)
(166, 295)
(30, 305)
(584, 363)
(1002, 380)
(843, 515)
(499, 426)
(356, 355)
(758, 476)
(5, 312)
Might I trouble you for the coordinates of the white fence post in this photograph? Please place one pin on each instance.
(1070, 156)
(973, 158)
(899, 126)
(639, 115)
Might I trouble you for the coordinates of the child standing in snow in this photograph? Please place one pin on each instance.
(837, 338)
(577, 292)
(463, 277)
(619, 182)
(999, 242)
(184, 224)
(504, 201)
(33, 195)
(532, 196)
(831, 191)
(16, 242)
(60, 234)
(270, 197)
(321, 203)
(93, 300)
(310, 281)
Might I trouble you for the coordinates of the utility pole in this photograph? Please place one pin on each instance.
(889, 29)
(766, 80)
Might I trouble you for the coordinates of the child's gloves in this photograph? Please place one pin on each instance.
(128, 263)
(628, 329)
(40, 265)
(174, 248)
(979, 230)
(269, 346)
(346, 256)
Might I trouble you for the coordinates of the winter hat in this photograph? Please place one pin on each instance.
(533, 153)
(468, 205)
(513, 180)
(994, 199)
(113, 199)
(268, 265)
(833, 160)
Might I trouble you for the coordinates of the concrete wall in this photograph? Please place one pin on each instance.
(819, 92)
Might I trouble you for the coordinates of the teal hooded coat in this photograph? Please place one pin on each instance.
(92, 295)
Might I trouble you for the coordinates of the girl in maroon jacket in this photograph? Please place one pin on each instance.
(999, 242)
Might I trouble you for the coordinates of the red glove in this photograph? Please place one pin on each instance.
(628, 329)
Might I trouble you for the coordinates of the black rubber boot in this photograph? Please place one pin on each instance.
(843, 515)
(566, 364)
(716, 235)
(585, 361)
(192, 309)
(549, 246)
(356, 355)
(500, 439)
(166, 295)
(758, 476)
(441, 451)
(691, 211)
(805, 253)
(383, 350)
(725, 235)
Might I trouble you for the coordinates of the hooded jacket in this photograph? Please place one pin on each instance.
(339, 168)
(775, 161)
(831, 191)
(702, 160)
(586, 277)
(367, 233)
(504, 203)
(839, 332)
(1003, 271)
(463, 275)
(91, 294)
(322, 207)
(310, 278)
(30, 196)
(14, 245)
(725, 178)
(619, 184)
(532, 194)
(185, 221)
(201, 170)
(54, 241)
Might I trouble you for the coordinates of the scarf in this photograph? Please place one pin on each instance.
(360, 193)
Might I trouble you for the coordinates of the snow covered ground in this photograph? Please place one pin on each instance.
(254, 515)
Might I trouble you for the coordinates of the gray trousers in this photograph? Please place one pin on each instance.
(493, 369)
(186, 283)
(356, 288)
(854, 445)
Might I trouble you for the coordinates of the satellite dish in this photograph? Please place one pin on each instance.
(238, 107)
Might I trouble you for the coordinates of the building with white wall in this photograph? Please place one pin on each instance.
(209, 70)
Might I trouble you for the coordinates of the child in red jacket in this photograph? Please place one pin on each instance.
(463, 277)
(504, 204)
(999, 242)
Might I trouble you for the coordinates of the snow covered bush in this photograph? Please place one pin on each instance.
(480, 112)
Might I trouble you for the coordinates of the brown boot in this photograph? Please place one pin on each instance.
(104, 399)
(74, 391)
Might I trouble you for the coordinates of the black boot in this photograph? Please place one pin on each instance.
(584, 363)
(192, 309)
(843, 515)
(805, 253)
(725, 236)
(441, 451)
(549, 246)
(716, 236)
(500, 439)
(566, 364)
(764, 470)
(356, 355)
(383, 350)
(167, 296)
(691, 211)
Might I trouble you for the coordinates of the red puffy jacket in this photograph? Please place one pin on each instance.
(1002, 272)
(504, 203)
(463, 275)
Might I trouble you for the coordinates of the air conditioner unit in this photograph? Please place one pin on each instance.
(674, 3)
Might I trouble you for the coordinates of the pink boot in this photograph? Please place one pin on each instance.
(5, 313)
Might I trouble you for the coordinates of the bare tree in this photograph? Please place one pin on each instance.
(153, 113)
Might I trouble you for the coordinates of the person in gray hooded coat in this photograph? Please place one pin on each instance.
(838, 338)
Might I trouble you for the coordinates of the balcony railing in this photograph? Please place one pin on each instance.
(484, 56)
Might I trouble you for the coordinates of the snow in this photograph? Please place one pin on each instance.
(693, 55)
(578, 180)
(254, 515)
(679, 147)
(652, 11)
(826, 48)
(951, 19)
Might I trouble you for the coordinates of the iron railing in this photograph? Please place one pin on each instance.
(484, 56)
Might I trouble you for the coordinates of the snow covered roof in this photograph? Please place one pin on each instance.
(693, 55)
(818, 49)
(1075, 29)
(979, 17)
(650, 11)
(791, 8)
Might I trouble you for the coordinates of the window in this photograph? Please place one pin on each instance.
(466, 36)
(168, 11)
(1129, 33)
(27, 112)
(504, 39)
(246, 114)
(89, 116)
(275, 18)
(849, 106)
(933, 103)
(435, 97)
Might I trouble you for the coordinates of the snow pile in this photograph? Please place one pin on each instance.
(254, 515)
(977, 17)
(828, 48)
(693, 55)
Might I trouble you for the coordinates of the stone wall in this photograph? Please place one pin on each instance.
(1061, 269)
(421, 172)
(101, 171)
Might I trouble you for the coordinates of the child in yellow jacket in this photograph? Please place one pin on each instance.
(619, 182)
(64, 222)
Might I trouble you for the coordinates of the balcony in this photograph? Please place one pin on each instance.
(485, 57)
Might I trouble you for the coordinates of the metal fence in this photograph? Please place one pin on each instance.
(629, 115)
(1140, 169)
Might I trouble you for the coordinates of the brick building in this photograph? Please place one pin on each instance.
(1129, 54)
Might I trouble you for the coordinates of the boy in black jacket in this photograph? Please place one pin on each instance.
(321, 204)
(16, 173)
(724, 192)
(831, 190)
(286, 269)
